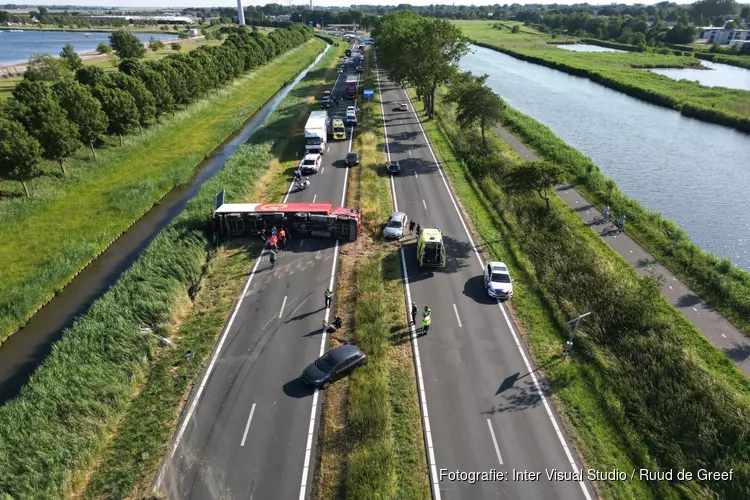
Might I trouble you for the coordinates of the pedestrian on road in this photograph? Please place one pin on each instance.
(263, 234)
(274, 231)
(426, 324)
(427, 312)
(606, 212)
(272, 258)
(419, 230)
(274, 242)
(414, 312)
(622, 222)
(411, 227)
(329, 294)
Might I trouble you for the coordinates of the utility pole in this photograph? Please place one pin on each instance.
(569, 343)
(240, 13)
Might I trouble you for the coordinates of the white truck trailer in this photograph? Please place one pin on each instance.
(316, 132)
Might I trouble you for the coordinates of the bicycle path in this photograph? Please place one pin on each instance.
(725, 336)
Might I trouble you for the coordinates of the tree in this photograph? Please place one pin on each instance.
(71, 57)
(45, 68)
(157, 85)
(144, 100)
(714, 8)
(155, 45)
(35, 106)
(120, 107)
(681, 33)
(130, 66)
(476, 103)
(19, 152)
(176, 46)
(540, 177)
(83, 109)
(103, 48)
(126, 44)
(516, 29)
(745, 12)
(176, 84)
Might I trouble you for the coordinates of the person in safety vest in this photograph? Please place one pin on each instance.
(426, 324)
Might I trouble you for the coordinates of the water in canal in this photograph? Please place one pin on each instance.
(584, 47)
(712, 75)
(692, 172)
(17, 47)
(26, 349)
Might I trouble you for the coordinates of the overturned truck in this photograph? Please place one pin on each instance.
(303, 219)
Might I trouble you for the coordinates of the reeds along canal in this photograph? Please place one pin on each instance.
(25, 350)
(692, 172)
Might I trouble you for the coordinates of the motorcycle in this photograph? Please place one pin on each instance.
(300, 185)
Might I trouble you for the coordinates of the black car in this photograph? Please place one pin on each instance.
(359, 69)
(352, 159)
(333, 365)
(393, 168)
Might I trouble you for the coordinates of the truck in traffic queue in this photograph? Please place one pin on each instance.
(351, 86)
(357, 60)
(316, 132)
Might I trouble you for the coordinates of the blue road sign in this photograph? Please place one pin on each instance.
(369, 93)
(368, 41)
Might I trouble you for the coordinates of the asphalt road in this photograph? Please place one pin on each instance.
(250, 432)
(482, 403)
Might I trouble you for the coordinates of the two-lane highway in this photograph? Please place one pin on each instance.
(483, 406)
(249, 429)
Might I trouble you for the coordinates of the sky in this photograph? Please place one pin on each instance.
(130, 4)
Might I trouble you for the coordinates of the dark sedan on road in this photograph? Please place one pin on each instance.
(352, 159)
(333, 365)
(393, 168)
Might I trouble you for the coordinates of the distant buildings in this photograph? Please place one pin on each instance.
(281, 18)
(156, 19)
(723, 36)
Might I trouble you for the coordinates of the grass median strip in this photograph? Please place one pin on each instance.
(633, 351)
(107, 394)
(45, 240)
(371, 443)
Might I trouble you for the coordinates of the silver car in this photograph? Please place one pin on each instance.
(396, 226)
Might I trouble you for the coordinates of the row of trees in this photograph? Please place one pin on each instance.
(54, 110)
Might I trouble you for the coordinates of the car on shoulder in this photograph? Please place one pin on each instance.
(310, 164)
(352, 159)
(403, 107)
(333, 365)
(396, 226)
(393, 168)
(497, 281)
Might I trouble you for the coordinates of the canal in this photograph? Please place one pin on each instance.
(692, 172)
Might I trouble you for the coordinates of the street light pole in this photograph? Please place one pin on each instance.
(569, 343)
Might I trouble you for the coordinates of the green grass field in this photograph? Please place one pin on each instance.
(608, 395)
(68, 221)
(621, 68)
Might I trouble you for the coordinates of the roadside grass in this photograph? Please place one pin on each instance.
(612, 395)
(717, 280)
(45, 240)
(110, 62)
(226, 273)
(371, 443)
(623, 72)
(107, 394)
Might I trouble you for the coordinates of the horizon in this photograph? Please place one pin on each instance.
(183, 4)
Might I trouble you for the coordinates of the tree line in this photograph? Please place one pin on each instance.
(61, 105)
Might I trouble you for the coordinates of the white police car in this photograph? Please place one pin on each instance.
(497, 281)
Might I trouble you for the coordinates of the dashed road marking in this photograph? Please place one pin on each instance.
(247, 426)
(494, 441)
(425, 204)
(283, 304)
(455, 309)
(314, 197)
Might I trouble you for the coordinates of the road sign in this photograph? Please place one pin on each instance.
(219, 200)
(368, 41)
(369, 93)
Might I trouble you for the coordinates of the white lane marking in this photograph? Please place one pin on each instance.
(314, 198)
(412, 329)
(538, 387)
(723, 335)
(322, 170)
(631, 251)
(410, 152)
(455, 309)
(694, 309)
(314, 409)
(247, 426)
(425, 204)
(283, 304)
(494, 441)
(211, 365)
(415, 174)
(670, 287)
